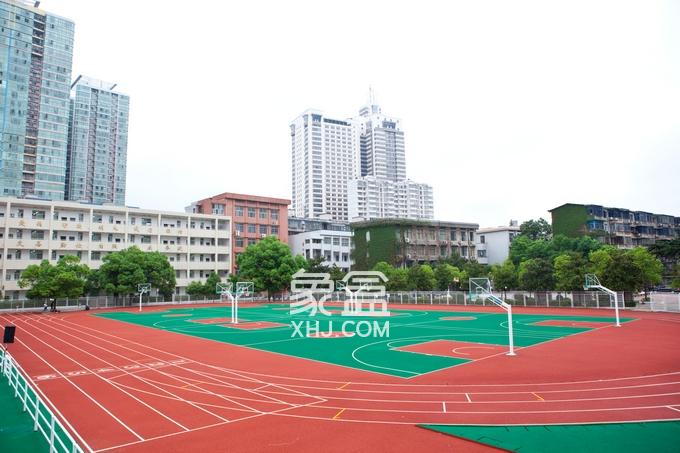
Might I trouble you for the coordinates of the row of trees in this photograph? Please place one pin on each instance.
(119, 275)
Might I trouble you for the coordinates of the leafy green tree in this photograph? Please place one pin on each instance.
(446, 276)
(536, 275)
(269, 265)
(315, 265)
(121, 272)
(398, 280)
(455, 260)
(536, 229)
(65, 279)
(651, 267)
(570, 271)
(675, 282)
(621, 274)
(666, 250)
(421, 277)
(195, 288)
(504, 275)
(337, 274)
(384, 267)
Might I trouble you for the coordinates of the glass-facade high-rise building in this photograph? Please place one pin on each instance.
(36, 50)
(97, 143)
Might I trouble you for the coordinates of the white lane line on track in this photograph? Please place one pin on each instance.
(614, 379)
(113, 384)
(248, 376)
(191, 382)
(675, 409)
(242, 375)
(183, 381)
(443, 406)
(87, 395)
(468, 398)
(127, 373)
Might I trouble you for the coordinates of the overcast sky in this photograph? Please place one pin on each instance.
(509, 108)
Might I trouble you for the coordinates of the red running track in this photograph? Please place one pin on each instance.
(123, 387)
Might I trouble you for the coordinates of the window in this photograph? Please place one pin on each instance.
(453, 235)
(275, 214)
(38, 214)
(336, 241)
(481, 253)
(251, 241)
(251, 212)
(238, 211)
(35, 255)
(239, 227)
(146, 221)
(37, 234)
(264, 213)
(472, 236)
(345, 257)
(263, 229)
(96, 237)
(481, 239)
(146, 240)
(95, 256)
(239, 242)
(345, 242)
(275, 229)
(327, 240)
(251, 228)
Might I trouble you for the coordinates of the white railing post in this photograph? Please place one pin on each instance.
(52, 433)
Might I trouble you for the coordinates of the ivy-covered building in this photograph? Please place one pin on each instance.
(614, 226)
(403, 242)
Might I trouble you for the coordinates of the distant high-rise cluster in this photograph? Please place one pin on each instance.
(354, 169)
(55, 143)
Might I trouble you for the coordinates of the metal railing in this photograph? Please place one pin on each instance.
(664, 302)
(44, 419)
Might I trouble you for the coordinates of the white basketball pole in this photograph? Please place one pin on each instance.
(140, 300)
(510, 335)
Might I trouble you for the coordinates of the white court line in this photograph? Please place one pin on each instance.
(250, 373)
(81, 391)
(444, 406)
(288, 386)
(103, 378)
(125, 372)
(468, 398)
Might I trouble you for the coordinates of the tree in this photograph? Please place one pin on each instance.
(675, 283)
(195, 288)
(536, 229)
(207, 289)
(337, 274)
(536, 275)
(651, 268)
(65, 279)
(446, 276)
(269, 265)
(315, 265)
(398, 280)
(570, 271)
(504, 275)
(421, 277)
(121, 272)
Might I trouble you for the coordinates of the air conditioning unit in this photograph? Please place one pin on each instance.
(408, 256)
(263, 235)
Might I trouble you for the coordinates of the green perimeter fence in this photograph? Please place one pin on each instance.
(44, 420)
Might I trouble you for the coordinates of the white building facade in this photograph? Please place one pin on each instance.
(96, 163)
(383, 191)
(319, 238)
(493, 244)
(33, 230)
(325, 158)
(373, 198)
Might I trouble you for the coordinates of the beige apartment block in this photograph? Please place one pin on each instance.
(34, 230)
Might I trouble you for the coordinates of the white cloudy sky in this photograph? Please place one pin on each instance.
(510, 108)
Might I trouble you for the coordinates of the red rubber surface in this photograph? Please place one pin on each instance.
(126, 388)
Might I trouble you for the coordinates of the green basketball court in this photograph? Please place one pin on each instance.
(419, 341)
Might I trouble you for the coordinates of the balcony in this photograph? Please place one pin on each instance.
(203, 265)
